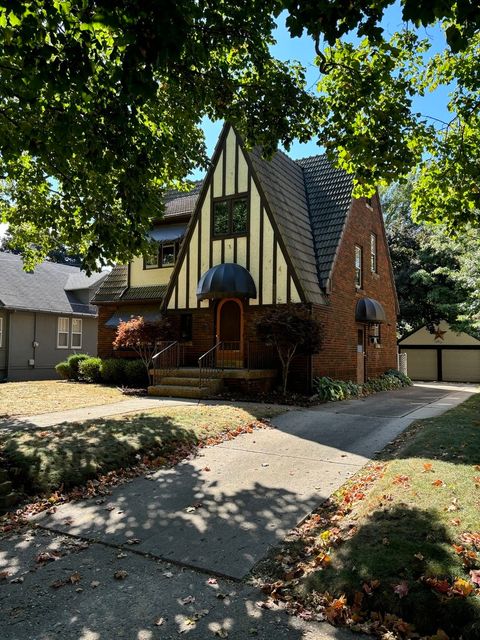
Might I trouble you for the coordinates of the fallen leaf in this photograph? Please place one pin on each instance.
(419, 556)
(206, 468)
(187, 600)
(462, 587)
(58, 583)
(475, 576)
(438, 483)
(122, 555)
(159, 622)
(427, 467)
(133, 541)
(94, 584)
(456, 522)
(121, 574)
(212, 581)
(401, 479)
(17, 580)
(167, 574)
(401, 589)
(74, 578)
(47, 556)
(4, 575)
(440, 635)
(221, 633)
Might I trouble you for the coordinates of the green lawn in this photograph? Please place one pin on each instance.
(69, 454)
(401, 537)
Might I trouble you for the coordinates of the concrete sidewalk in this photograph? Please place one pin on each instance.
(134, 404)
(220, 512)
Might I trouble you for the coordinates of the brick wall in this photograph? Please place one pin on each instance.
(106, 335)
(338, 357)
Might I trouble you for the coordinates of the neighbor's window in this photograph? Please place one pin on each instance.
(358, 267)
(373, 253)
(186, 327)
(150, 259)
(62, 333)
(1, 332)
(230, 217)
(76, 333)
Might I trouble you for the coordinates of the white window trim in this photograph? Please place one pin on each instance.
(1, 332)
(76, 333)
(360, 268)
(373, 253)
(67, 332)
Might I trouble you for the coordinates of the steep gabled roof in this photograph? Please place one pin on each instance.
(182, 203)
(44, 289)
(281, 181)
(329, 194)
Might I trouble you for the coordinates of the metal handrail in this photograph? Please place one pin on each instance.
(170, 359)
(207, 363)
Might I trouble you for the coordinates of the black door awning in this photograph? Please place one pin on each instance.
(369, 310)
(228, 280)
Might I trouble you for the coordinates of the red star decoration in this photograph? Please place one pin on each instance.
(439, 334)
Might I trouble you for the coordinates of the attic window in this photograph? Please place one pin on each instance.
(230, 217)
(163, 255)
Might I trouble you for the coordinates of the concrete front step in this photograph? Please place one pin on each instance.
(179, 391)
(182, 372)
(178, 381)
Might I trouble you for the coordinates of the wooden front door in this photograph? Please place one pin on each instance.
(230, 333)
(361, 356)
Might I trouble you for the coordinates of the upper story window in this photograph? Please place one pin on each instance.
(358, 266)
(161, 255)
(373, 253)
(230, 217)
(62, 333)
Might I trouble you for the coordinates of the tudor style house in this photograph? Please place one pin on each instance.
(254, 234)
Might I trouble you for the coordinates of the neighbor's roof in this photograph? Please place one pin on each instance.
(45, 289)
(182, 203)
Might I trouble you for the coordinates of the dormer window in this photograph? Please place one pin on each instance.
(161, 255)
(230, 217)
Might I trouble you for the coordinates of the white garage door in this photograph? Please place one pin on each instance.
(421, 363)
(461, 365)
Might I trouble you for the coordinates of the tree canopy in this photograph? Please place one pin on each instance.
(437, 277)
(101, 105)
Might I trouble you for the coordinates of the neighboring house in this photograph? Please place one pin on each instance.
(44, 317)
(444, 355)
(255, 234)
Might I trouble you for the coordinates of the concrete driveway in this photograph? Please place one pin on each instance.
(221, 511)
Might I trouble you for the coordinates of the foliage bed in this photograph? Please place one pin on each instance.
(329, 390)
(396, 550)
(118, 371)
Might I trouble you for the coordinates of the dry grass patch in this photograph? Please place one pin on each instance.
(45, 396)
(67, 455)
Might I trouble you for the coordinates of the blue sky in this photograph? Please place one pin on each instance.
(302, 50)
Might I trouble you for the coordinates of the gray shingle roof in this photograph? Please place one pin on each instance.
(114, 286)
(329, 194)
(41, 290)
(156, 292)
(181, 203)
(80, 280)
(283, 185)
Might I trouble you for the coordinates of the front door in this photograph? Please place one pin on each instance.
(230, 333)
(361, 356)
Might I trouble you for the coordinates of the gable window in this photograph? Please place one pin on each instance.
(62, 333)
(163, 255)
(1, 332)
(373, 253)
(358, 267)
(230, 217)
(77, 333)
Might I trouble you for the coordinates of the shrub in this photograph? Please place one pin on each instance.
(89, 369)
(135, 374)
(330, 390)
(64, 370)
(74, 364)
(406, 381)
(113, 371)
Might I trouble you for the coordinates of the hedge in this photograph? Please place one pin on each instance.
(118, 371)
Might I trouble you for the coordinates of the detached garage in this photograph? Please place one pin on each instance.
(443, 355)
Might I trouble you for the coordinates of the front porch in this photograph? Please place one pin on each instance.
(193, 382)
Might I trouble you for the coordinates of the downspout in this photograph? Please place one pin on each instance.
(7, 344)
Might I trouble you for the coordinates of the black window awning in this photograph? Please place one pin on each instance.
(226, 281)
(370, 311)
(124, 314)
